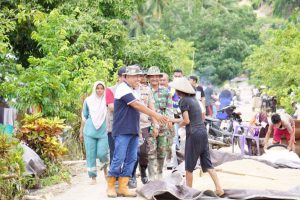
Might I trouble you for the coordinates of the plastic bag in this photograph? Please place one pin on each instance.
(34, 164)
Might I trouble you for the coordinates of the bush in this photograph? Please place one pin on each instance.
(12, 167)
(42, 135)
(55, 173)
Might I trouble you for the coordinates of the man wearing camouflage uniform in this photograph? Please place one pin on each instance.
(158, 136)
(145, 125)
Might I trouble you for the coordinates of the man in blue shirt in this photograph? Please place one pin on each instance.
(126, 132)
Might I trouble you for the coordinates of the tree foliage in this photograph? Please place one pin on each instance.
(221, 31)
(22, 14)
(62, 47)
(7, 59)
(276, 64)
(159, 51)
(281, 8)
(72, 61)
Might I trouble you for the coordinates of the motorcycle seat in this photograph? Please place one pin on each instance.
(227, 108)
(212, 119)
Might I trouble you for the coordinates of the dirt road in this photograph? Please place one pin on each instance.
(80, 187)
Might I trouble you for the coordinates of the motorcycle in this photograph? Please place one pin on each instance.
(221, 130)
(269, 103)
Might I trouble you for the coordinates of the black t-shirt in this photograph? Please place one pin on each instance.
(191, 105)
(200, 89)
(199, 92)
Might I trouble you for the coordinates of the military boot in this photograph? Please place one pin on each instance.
(151, 169)
(160, 166)
(144, 177)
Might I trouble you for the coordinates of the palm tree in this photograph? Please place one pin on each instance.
(225, 6)
(285, 8)
(155, 7)
(140, 21)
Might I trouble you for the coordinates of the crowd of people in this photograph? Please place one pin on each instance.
(134, 125)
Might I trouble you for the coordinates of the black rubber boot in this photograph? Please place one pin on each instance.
(144, 177)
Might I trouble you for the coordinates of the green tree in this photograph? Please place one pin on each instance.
(281, 8)
(118, 9)
(63, 46)
(158, 50)
(72, 62)
(22, 14)
(156, 7)
(276, 64)
(7, 59)
(182, 54)
(285, 8)
(140, 22)
(221, 31)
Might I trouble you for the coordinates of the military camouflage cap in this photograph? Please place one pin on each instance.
(133, 70)
(154, 70)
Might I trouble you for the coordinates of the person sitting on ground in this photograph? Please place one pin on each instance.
(196, 145)
(283, 125)
(261, 119)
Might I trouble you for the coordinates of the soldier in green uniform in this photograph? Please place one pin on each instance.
(158, 142)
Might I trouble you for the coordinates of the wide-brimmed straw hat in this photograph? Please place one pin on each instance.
(182, 84)
(133, 70)
(154, 70)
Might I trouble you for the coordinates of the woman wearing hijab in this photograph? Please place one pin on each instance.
(94, 131)
(196, 144)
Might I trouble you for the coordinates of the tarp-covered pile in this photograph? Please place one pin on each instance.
(253, 178)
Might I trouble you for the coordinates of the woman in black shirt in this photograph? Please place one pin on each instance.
(196, 145)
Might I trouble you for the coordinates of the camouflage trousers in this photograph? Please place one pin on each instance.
(170, 134)
(158, 149)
